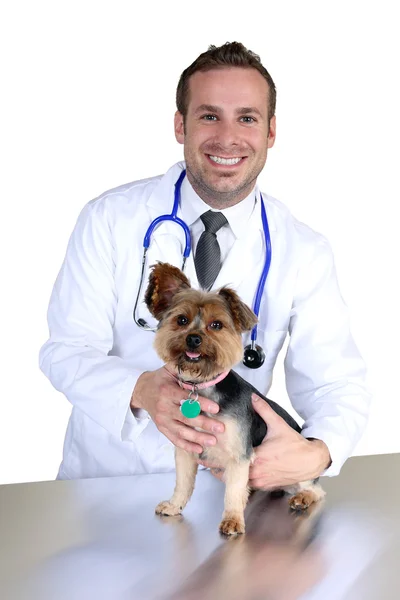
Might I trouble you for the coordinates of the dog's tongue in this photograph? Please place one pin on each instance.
(192, 354)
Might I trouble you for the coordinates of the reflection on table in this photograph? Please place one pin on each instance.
(100, 539)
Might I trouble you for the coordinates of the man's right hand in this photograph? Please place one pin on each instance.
(158, 393)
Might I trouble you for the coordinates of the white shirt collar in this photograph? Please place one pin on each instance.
(192, 207)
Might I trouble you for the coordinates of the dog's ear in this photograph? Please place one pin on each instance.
(243, 317)
(164, 282)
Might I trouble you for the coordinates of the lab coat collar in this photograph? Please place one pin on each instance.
(192, 207)
(161, 201)
(168, 240)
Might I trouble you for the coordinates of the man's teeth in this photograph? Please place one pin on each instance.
(225, 161)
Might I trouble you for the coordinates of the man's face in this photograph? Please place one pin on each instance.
(226, 134)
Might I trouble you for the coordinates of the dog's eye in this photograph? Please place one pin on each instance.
(216, 325)
(182, 320)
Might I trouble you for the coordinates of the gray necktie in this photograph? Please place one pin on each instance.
(208, 254)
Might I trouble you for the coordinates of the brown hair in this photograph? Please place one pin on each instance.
(230, 54)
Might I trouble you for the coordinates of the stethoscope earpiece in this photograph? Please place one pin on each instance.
(143, 323)
(253, 357)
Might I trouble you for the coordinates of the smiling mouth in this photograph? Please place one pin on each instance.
(226, 162)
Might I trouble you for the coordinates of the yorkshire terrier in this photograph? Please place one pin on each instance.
(199, 337)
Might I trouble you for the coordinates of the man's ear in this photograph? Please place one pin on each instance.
(179, 127)
(164, 282)
(271, 132)
(243, 317)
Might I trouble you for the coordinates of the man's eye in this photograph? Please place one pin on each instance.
(209, 117)
(248, 119)
(182, 320)
(216, 325)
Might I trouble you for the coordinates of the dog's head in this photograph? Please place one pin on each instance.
(199, 332)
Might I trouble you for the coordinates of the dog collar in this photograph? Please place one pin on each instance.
(190, 408)
(193, 386)
(190, 385)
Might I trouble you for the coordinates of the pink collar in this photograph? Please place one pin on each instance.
(199, 386)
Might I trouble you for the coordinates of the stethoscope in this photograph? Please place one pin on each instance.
(253, 356)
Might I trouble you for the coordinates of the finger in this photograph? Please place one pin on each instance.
(270, 482)
(204, 422)
(188, 446)
(258, 484)
(261, 470)
(256, 471)
(164, 418)
(171, 393)
(206, 405)
(171, 390)
(272, 419)
(191, 435)
(178, 440)
(261, 460)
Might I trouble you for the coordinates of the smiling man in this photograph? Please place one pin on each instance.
(126, 416)
(226, 130)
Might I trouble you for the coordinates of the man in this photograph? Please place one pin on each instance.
(126, 416)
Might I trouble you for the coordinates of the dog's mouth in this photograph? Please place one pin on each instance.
(192, 357)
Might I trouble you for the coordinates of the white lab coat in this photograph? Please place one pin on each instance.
(96, 353)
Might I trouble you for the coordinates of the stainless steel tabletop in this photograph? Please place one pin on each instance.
(100, 539)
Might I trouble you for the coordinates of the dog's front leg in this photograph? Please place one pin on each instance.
(236, 496)
(186, 469)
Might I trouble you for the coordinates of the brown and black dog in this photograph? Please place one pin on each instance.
(199, 337)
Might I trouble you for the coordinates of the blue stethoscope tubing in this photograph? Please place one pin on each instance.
(174, 218)
(188, 246)
(265, 271)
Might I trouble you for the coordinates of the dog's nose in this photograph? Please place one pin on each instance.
(193, 340)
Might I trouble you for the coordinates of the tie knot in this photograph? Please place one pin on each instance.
(213, 221)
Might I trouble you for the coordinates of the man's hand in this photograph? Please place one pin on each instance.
(159, 394)
(285, 457)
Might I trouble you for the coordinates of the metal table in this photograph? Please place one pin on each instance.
(100, 539)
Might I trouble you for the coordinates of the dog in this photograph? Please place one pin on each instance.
(199, 336)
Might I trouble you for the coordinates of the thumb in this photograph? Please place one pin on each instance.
(271, 418)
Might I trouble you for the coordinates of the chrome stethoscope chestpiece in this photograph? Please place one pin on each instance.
(253, 357)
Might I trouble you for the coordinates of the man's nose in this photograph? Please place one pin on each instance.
(228, 135)
(193, 340)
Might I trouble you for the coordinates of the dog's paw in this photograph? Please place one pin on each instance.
(168, 509)
(231, 525)
(302, 500)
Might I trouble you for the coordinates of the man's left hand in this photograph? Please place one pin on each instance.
(284, 457)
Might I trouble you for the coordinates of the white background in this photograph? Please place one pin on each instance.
(87, 104)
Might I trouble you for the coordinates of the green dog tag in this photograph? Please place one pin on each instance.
(190, 408)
